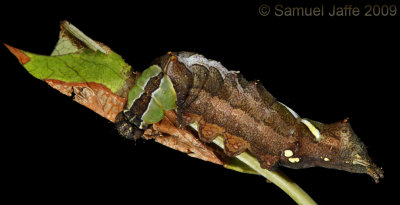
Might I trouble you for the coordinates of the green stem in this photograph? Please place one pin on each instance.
(276, 177)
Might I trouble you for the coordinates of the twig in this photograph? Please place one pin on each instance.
(276, 177)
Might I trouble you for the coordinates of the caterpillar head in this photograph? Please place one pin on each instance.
(339, 147)
(353, 152)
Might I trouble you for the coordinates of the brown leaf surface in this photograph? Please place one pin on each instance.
(101, 100)
(21, 56)
(183, 140)
(95, 96)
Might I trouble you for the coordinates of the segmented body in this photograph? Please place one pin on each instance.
(243, 112)
(224, 103)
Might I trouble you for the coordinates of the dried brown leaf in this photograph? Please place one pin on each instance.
(95, 96)
(21, 56)
(183, 140)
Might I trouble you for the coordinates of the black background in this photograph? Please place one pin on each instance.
(55, 150)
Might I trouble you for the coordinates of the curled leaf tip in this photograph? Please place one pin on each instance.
(21, 56)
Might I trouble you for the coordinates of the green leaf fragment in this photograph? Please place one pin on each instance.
(109, 70)
(79, 59)
(64, 46)
(73, 40)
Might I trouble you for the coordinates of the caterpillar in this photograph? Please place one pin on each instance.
(243, 112)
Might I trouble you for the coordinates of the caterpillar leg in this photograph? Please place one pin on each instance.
(269, 162)
(127, 129)
(234, 145)
(208, 132)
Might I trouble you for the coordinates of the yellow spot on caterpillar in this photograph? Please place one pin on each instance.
(326, 159)
(294, 160)
(288, 153)
(312, 129)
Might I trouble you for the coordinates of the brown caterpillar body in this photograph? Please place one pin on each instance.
(223, 103)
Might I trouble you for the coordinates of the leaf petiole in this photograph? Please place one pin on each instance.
(276, 177)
